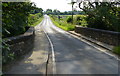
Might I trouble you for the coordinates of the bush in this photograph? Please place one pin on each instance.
(7, 56)
(96, 23)
(62, 24)
(80, 20)
(69, 20)
(117, 50)
(33, 18)
(77, 20)
(105, 16)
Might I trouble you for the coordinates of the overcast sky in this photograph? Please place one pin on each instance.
(61, 5)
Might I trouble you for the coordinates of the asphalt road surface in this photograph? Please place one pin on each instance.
(67, 55)
(72, 56)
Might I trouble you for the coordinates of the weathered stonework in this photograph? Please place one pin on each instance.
(108, 37)
(22, 44)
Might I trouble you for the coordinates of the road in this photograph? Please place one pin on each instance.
(72, 56)
(67, 55)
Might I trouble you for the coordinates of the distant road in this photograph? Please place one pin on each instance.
(72, 56)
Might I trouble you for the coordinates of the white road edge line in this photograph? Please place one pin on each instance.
(53, 53)
(100, 49)
(89, 43)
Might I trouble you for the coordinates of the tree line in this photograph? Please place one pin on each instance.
(57, 12)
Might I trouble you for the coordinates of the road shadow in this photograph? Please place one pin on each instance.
(34, 61)
(76, 57)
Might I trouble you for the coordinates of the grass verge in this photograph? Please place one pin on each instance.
(116, 50)
(36, 23)
(62, 24)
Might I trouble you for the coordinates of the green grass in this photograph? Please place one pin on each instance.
(81, 22)
(37, 22)
(62, 24)
(116, 50)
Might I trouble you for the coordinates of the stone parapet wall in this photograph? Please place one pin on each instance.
(22, 44)
(108, 37)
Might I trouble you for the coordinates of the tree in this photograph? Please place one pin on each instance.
(15, 17)
(36, 10)
(56, 12)
(49, 11)
(102, 15)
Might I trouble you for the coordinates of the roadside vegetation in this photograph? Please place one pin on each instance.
(102, 15)
(65, 21)
(34, 19)
(16, 16)
(116, 50)
(61, 22)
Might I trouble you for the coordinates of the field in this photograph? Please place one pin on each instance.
(65, 21)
